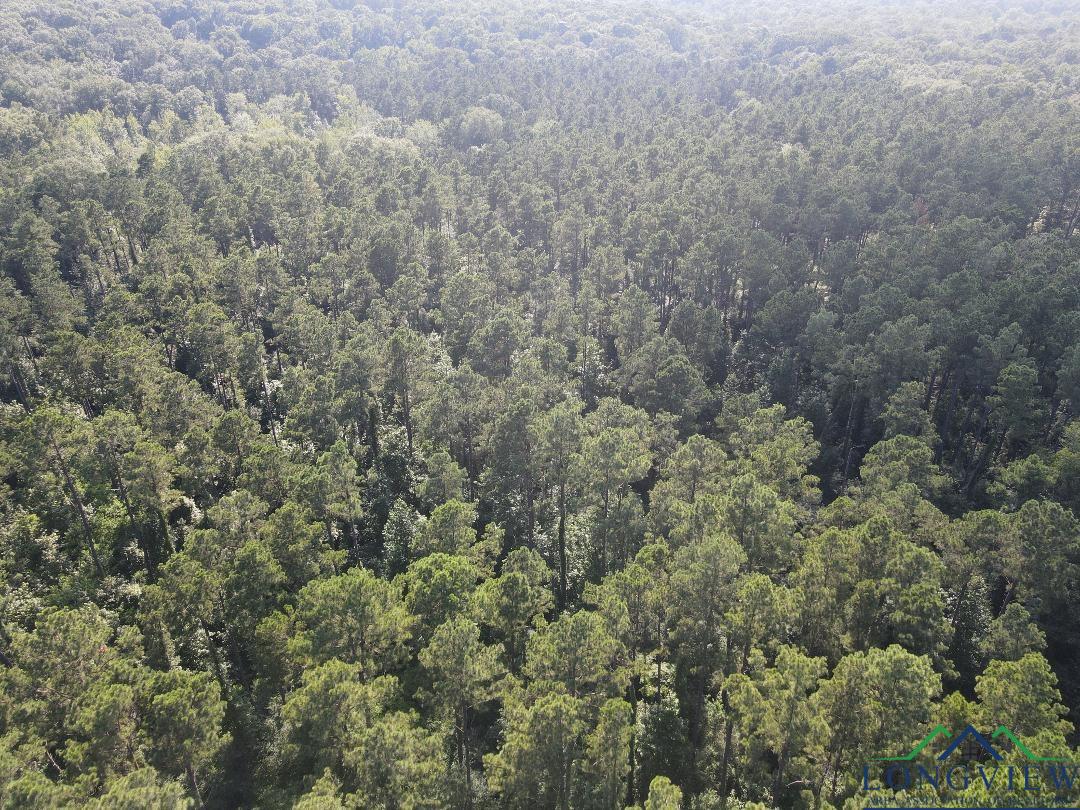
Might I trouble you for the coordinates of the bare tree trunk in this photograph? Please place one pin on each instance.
(77, 504)
(562, 547)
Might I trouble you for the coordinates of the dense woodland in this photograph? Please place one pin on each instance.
(554, 405)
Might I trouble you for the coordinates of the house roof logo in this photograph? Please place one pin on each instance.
(972, 734)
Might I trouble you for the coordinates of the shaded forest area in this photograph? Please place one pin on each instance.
(549, 405)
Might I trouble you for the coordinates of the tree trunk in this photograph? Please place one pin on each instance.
(562, 547)
(847, 441)
(631, 799)
(77, 504)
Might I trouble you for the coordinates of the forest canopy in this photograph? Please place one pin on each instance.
(576, 405)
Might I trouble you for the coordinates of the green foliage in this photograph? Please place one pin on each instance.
(355, 617)
(561, 407)
(663, 795)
